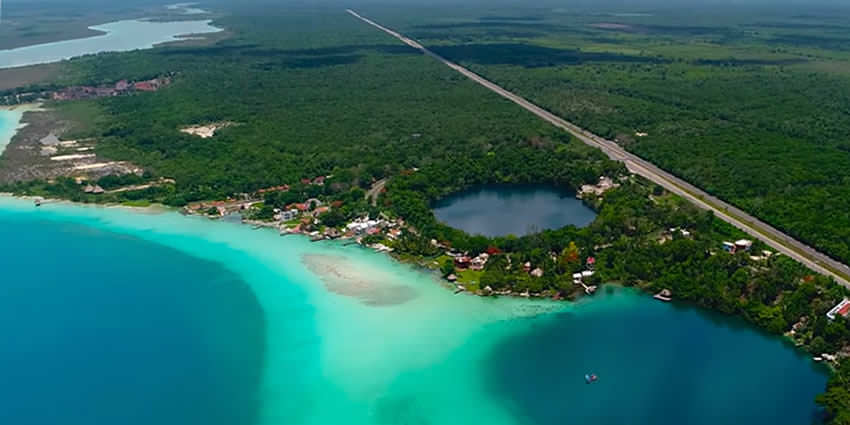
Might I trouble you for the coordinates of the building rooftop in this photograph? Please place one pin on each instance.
(842, 309)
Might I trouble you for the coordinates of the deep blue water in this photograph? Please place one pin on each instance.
(657, 364)
(99, 328)
(501, 210)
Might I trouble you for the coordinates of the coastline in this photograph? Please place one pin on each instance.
(104, 31)
(401, 330)
(26, 106)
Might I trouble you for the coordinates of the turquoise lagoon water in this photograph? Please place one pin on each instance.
(201, 322)
(500, 210)
(10, 119)
(120, 36)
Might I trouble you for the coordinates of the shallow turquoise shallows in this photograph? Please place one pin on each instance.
(120, 36)
(9, 122)
(112, 315)
(501, 210)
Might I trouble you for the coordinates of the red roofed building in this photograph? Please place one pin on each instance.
(842, 309)
(492, 250)
(591, 262)
(462, 263)
(144, 86)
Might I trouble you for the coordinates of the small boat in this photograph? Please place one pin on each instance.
(37, 202)
(590, 378)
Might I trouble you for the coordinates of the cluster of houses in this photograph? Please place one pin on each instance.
(89, 92)
(245, 201)
(119, 88)
(579, 278)
(464, 262)
(356, 229)
(365, 226)
(222, 208)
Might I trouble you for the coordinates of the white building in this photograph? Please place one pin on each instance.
(289, 215)
(743, 244)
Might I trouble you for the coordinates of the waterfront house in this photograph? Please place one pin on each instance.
(289, 215)
(842, 309)
(462, 262)
(478, 262)
(362, 225)
(576, 278)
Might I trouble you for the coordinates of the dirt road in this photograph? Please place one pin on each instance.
(776, 239)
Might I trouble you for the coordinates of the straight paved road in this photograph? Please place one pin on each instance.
(780, 241)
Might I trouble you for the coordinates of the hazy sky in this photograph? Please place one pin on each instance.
(565, 4)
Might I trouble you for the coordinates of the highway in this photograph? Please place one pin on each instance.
(778, 240)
